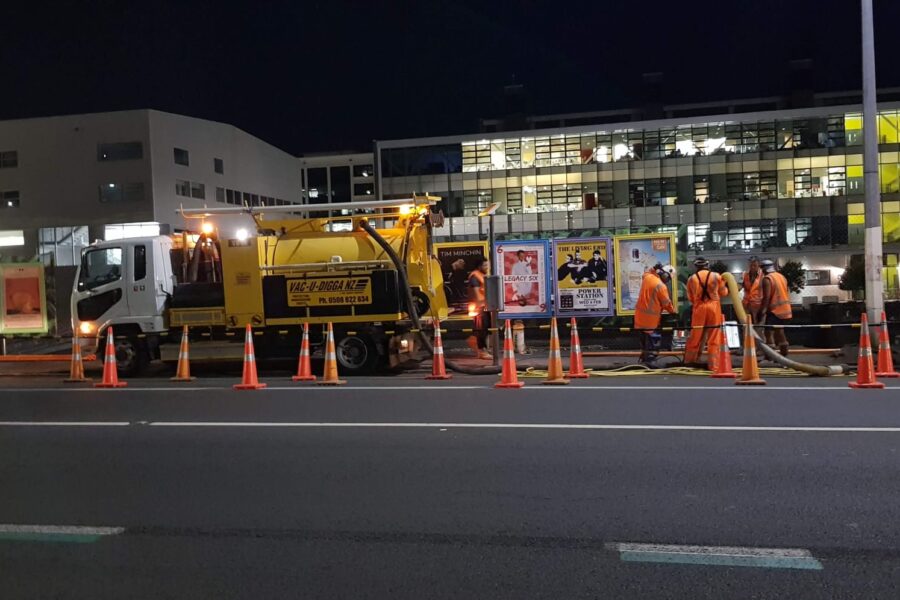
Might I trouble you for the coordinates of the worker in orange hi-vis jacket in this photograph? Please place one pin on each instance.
(776, 306)
(752, 286)
(653, 300)
(705, 289)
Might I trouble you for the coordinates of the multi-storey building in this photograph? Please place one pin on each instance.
(728, 180)
(68, 180)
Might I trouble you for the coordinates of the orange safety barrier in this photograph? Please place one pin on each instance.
(304, 367)
(249, 379)
(330, 376)
(110, 369)
(749, 368)
(438, 368)
(865, 370)
(76, 368)
(885, 360)
(576, 360)
(723, 368)
(554, 361)
(509, 377)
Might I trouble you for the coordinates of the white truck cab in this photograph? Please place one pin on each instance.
(125, 284)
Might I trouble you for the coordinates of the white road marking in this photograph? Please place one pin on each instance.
(722, 556)
(588, 426)
(729, 550)
(60, 530)
(64, 423)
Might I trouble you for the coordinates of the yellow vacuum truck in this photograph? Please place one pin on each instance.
(371, 275)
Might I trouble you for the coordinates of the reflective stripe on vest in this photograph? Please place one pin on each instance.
(780, 300)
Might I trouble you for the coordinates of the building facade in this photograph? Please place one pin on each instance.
(780, 183)
(337, 177)
(66, 181)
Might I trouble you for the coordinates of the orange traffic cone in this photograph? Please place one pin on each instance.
(576, 360)
(749, 369)
(554, 362)
(249, 380)
(76, 370)
(438, 368)
(331, 371)
(885, 360)
(865, 371)
(723, 368)
(110, 372)
(183, 372)
(509, 378)
(304, 368)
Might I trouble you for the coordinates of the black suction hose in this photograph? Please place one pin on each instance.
(411, 304)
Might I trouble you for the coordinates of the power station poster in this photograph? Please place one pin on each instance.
(22, 300)
(526, 285)
(583, 281)
(634, 254)
(458, 260)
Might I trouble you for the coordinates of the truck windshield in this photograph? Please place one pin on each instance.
(99, 267)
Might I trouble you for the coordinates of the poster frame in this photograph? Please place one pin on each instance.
(462, 316)
(673, 287)
(611, 278)
(4, 328)
(548, 288)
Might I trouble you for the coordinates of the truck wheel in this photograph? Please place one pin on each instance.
(357, 354)
(131, 357)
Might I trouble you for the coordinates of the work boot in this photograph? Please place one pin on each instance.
(783, 349)
(485, 355)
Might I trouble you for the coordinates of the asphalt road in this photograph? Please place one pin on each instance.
(394, 488)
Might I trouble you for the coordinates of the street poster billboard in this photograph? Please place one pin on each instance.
(23, 306)
(633, 255)
(457, 260)
(523, 265)
(583, 282)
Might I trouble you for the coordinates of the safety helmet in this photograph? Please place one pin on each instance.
(767, 264)
(701, 263)
(666, 272)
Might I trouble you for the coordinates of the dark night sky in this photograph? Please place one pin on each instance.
(330, 75)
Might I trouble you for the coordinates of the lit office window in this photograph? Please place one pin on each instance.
(63, 244)
(130, 230)
(363, 171)
(12, 237)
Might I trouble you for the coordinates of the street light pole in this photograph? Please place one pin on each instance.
(874, 283)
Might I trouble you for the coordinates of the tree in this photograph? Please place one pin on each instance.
(853, 279)
(795, 275)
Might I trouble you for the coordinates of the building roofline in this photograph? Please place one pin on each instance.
(727, 118)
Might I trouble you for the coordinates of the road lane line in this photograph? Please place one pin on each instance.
(64, 423)
(588, 426)
(731, 556)
(72, 534)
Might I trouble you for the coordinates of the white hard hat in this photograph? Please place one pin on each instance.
(670, 270)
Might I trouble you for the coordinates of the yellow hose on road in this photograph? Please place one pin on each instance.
(818, 371)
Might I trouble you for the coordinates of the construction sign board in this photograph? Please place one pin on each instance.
(583, 281)
(329, 291)
(633, 255)
(23, 301)
(523, 265)
(458, 260)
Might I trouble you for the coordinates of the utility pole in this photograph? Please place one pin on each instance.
(874, 283)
